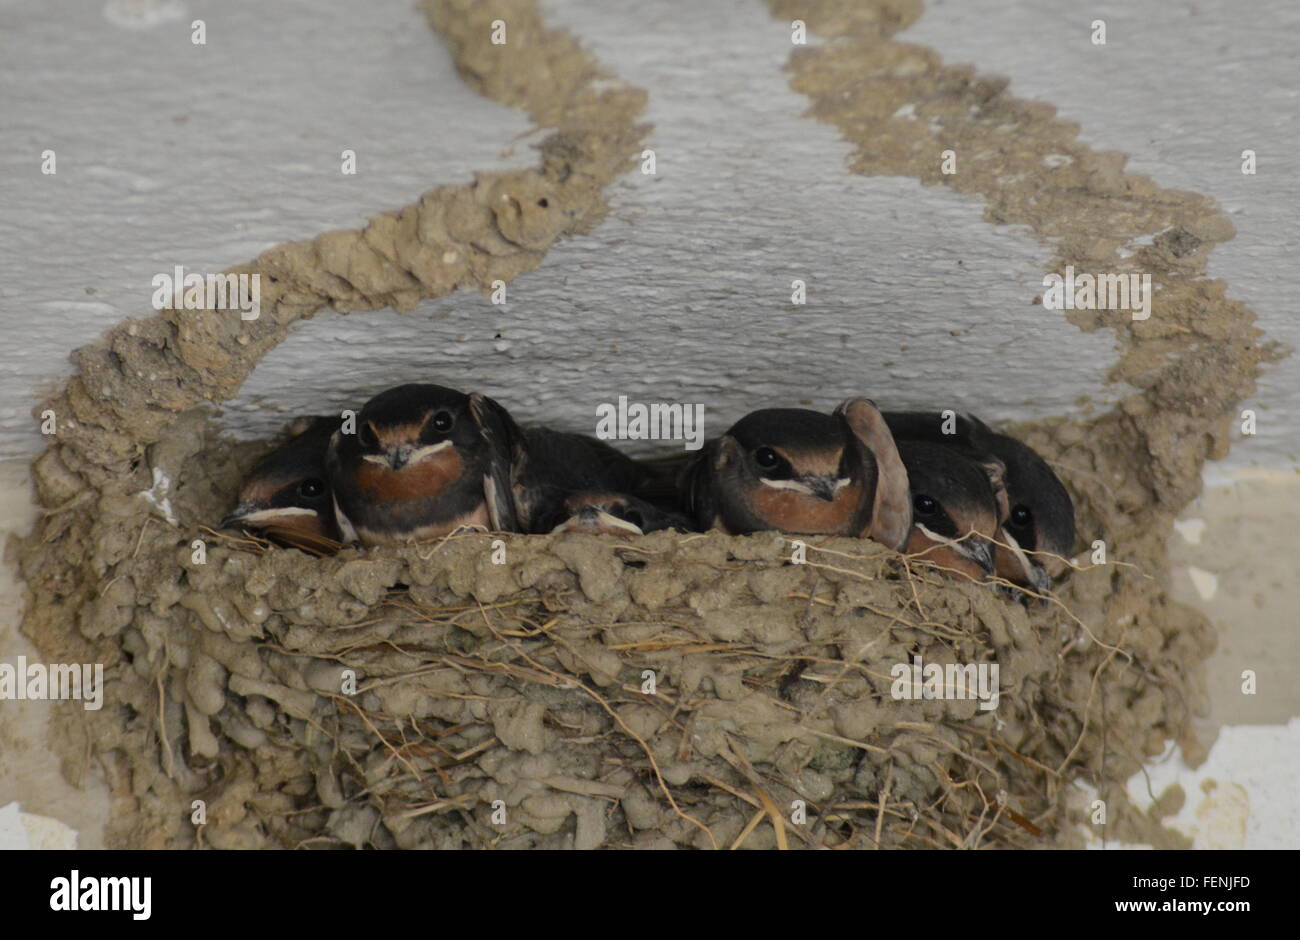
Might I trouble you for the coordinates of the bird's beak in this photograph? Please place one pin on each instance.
(1035, 574)
(403, 455)
(597, 520)
(973, 546)
(818, 487)
(826, 488)
(979, 550)
(247, 514)
(1041, 580)
(239, 515)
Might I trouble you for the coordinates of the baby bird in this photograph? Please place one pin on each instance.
(286, 495)
(425, 461)
(1037, 529)
(549, 468)
(805, 473)
(955, 507)
(611, 514)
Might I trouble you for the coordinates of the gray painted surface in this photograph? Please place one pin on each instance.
(203, 156)
(1184, 86)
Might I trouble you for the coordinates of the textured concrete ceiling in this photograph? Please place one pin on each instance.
(203, 156)
(1184, 88)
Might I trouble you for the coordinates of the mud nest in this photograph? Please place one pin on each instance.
(493, 691)
(430, 696)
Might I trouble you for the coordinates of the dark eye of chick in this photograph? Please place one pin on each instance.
(442, 422)
(924, 505)
(367, 436)
(1021, 516)
(310, 489)
(766, 458)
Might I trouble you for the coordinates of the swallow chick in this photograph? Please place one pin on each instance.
(286, 495)
(957, 504)
(611, 514)
(803, 472)
(549, 468)
(1037, 530)
(425, 461)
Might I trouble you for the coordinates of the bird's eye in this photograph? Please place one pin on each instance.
(924, 505)
(442, 422)
(310, 489)
(635, 518)
(766, 458)
(1021, 516)
(368, 437)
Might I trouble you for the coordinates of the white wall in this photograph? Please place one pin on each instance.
(171, 153)
(1183, 86)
